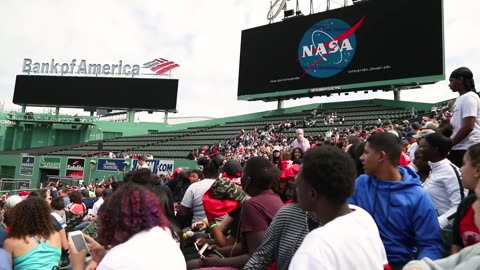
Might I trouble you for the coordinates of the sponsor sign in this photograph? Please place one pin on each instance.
(23, 185)
(50, 162)
(157, 166)
(26, 168)
(81, 68)
(75, 168)
(110, 164)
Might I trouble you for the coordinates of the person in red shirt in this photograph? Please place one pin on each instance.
(465, 233)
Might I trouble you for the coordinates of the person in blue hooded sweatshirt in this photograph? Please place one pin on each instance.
(394, 197)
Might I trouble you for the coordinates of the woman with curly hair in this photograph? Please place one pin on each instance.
(133, 234)
(32, 241)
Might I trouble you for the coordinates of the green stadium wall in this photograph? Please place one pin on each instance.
(10, 167)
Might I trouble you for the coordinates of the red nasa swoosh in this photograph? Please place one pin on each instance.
(342, 36)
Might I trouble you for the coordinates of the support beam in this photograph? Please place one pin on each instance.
(165, 118)
(396, 94)
(131, 116)
(24, 108)
(57, 110)
(279, 104)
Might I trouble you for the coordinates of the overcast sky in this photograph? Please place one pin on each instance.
(202, 36)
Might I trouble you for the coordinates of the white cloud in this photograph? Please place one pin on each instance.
(203, 36)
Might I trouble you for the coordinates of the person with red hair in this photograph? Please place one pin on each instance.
(135, 231)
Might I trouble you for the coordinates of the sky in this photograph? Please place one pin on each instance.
(202, 36)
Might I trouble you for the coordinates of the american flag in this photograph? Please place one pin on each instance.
(161, 65)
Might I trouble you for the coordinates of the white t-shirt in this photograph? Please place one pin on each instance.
(444, 189)
(193, 198)
(466, 105)
(411, 151)
(351, 241)
(152, 249)
(96, 206)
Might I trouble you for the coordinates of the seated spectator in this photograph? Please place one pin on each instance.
(76, 206)
(59, 227)
(444, 184)
(179, 184)
(99, 193)
(5, 260)
(349, 238)
(401, 208)
(420, 166)
(467, 258)
(465, 233)
(192, 204)
(297, 153)
(232, 170)
(283, 237)
(32, 240)
(195, 175)
(86, 200)
(131, 225)
(257, 213)
(58, 211)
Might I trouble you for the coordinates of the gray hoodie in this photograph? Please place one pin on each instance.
(467, 259)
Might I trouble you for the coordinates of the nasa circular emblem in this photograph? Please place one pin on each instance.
(327, 48)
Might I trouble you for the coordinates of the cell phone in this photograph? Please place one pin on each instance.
(79, 241)
(204, 247)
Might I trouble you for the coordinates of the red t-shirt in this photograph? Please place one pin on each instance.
(468, 231)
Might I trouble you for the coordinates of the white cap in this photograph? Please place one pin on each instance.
(12, 201)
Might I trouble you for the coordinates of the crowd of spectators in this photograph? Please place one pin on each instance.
(391, 196)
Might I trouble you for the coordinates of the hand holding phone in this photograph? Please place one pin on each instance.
(79, 242)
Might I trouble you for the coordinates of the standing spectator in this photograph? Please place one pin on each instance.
(466, 114)
(393, 195)
(300, 142)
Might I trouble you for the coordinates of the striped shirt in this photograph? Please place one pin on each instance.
(283, 237)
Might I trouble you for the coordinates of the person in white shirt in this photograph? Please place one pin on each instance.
(99, 202)
(192, 200)
(142, 162)
(349, 238)
(300, 142)
(466, 114)
(444, 184)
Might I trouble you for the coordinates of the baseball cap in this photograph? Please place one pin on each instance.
(423, 133)
(429, 125)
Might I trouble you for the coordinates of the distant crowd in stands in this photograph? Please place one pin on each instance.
(354, 200)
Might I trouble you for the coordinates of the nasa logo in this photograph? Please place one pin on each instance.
(327, 47)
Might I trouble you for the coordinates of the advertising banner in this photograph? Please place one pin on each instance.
(23, 185)
(50, 162)
(157, 166)
(110, 164)
(26, 168)
(75, 167)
